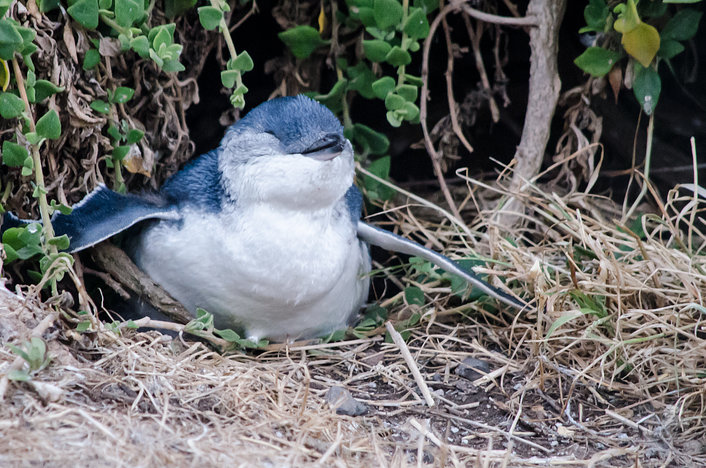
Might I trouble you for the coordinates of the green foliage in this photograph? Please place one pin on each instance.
(203, 327)
(100, 106)
(44, 89)
(85, 12)
(647, 86)
(393, 31)
(34, 353)
(13, 155)
(11, 106)
(22, 242)
(49, 126)
(302, 40)
(640, 41)
(174, 8)
(210, 17)
(376, 190)
(414, 295)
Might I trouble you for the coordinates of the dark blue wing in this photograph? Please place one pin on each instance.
(198, 184)
(9, 220)
(390, 241)
(104, 213)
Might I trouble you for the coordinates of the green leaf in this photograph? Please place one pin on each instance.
(653, 9)
(242, 63)
(174, 8)
(408, 92)
(683, 25)
(417, 25)
(114, 132)
(410, 111)
(366, 16)
(172, 66)
(4, 6)
(10, 39)
(162, 38)
(60, 207)
(28, 251)
(61, 242)
(413, 80)
(168, 28)
(427, 5)
(122, 95)
(229, 77)
(27, 34)
(228, 335)
(394, 102)
(334, 98)
(302, 40)
(376, 50)
(413, 295)
(670, 48)
(361, 79)
(372, 141)
(18, 375)
(100, 106)
(119, 152)
(595, 14)
(383, 86)
(47, 5)
(33, 138)
(387, 13)
(596, 61)
(11, 106)
(141, 45)
(49, 125)
(394, 118)
(374, 189)
(13, 155)
(647, 87)
(134, 135)
(91, 59)
(210, 17)
(85, 12)
(398, 56)
(128, 12)
(43, 89)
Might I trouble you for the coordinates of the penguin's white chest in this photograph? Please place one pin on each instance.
(277, 274)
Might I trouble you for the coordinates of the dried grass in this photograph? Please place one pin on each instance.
(623, 385)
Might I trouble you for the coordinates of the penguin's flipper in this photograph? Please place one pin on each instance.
(390, 241)
(104, 213)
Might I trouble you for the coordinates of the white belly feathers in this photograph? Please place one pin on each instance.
(276, 274)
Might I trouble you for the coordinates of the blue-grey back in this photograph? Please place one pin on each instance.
(197, 184)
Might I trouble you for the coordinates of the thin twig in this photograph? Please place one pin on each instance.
(496, 19)
(435, 156)
(453, 107)
(480, 66)
(404, 350)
